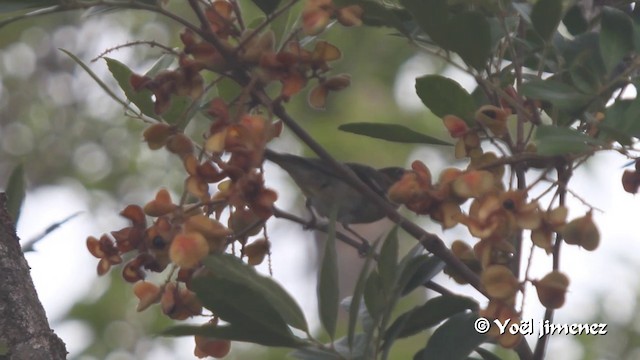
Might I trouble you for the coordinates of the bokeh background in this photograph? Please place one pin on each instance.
(81, 153)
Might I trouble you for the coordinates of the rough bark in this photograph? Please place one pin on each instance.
(25, 333)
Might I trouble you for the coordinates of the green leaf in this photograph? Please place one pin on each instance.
(432, 16)
(252, 334)
(387, 262)
(428, 315)
(142, 99)
(390, 132)
(455, 339)
(420, 270)
(241, 305)
(267, 6)
(575, 21)
(545, 17)
(180, 112)
(561, 95)
(283, 25)
(163, 63)
(7, 6)
(616, 37)
(552, 140)
(228, 89)
(358, 293)
(476, 49)
(230, 268)
(621, 120)
(584, 75)
(328, 292)
(16, 192)
(444, 96)
(372, 298)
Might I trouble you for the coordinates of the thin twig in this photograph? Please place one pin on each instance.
(150, 43)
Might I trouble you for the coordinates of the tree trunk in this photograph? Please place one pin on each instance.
(24, 329)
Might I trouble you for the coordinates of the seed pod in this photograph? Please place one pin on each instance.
(499, 282)
(552, 289)
(582, 232)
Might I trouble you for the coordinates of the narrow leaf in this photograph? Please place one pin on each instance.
(419, 271)
(444, 96)
(358, 293)
(387, 263)
(390, 132)
(163, 63)
(328, 297)
(428, 315)
(616, 37)
(372, 299)
(16, 192)
(240, 305)
(455, 339)
(545, 16)
(229, 267)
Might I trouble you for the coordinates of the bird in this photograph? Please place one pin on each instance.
(324, 189)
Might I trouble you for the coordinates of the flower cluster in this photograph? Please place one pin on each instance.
(495, 217)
